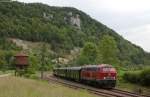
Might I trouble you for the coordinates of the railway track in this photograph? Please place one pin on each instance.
(101, 92)
(129, 93)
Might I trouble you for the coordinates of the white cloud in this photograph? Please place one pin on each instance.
(130, 18)
(140, 36)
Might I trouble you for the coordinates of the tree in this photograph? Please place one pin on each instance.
(44, 58)
(88, 54)
(108, 50)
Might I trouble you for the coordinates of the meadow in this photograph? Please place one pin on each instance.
(22, 87)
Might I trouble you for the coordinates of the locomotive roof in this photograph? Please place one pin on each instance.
(21, 55)
(74, 68)
(86, 66)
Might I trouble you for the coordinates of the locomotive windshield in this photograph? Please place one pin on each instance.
(107, 68)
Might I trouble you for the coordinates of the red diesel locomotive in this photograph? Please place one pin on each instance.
(103, 75)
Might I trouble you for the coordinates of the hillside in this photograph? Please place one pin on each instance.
(63, 28)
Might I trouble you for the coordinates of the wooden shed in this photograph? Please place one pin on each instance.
(21, 60)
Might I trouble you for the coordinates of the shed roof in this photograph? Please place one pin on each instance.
(21, 54)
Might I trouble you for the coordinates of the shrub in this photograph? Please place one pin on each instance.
(132, 77)
(142, 77)
(145, 77)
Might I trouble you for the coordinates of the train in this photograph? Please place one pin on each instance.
(102, 75)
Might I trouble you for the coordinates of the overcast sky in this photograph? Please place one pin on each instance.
(130, 18)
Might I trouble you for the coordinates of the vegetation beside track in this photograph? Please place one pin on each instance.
(132, 87)
(21, 87)
(134, 79)
(6, 72)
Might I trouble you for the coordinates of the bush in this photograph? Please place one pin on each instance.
(132, 77)
(145, 77)
(142, 77)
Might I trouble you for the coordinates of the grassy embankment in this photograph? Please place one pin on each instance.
(126, 85)
(21, 87)
(6, 72)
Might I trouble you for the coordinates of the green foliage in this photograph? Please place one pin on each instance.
(108, 50)
(145, 77)
(34, 61)
(88, 54)
(132, 77)
(39, 22)
(141, 77)
(40, 58)
(5, 44)
(7, 50)
(45, 59)
(106, 53)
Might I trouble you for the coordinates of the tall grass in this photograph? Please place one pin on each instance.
(21, 87)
